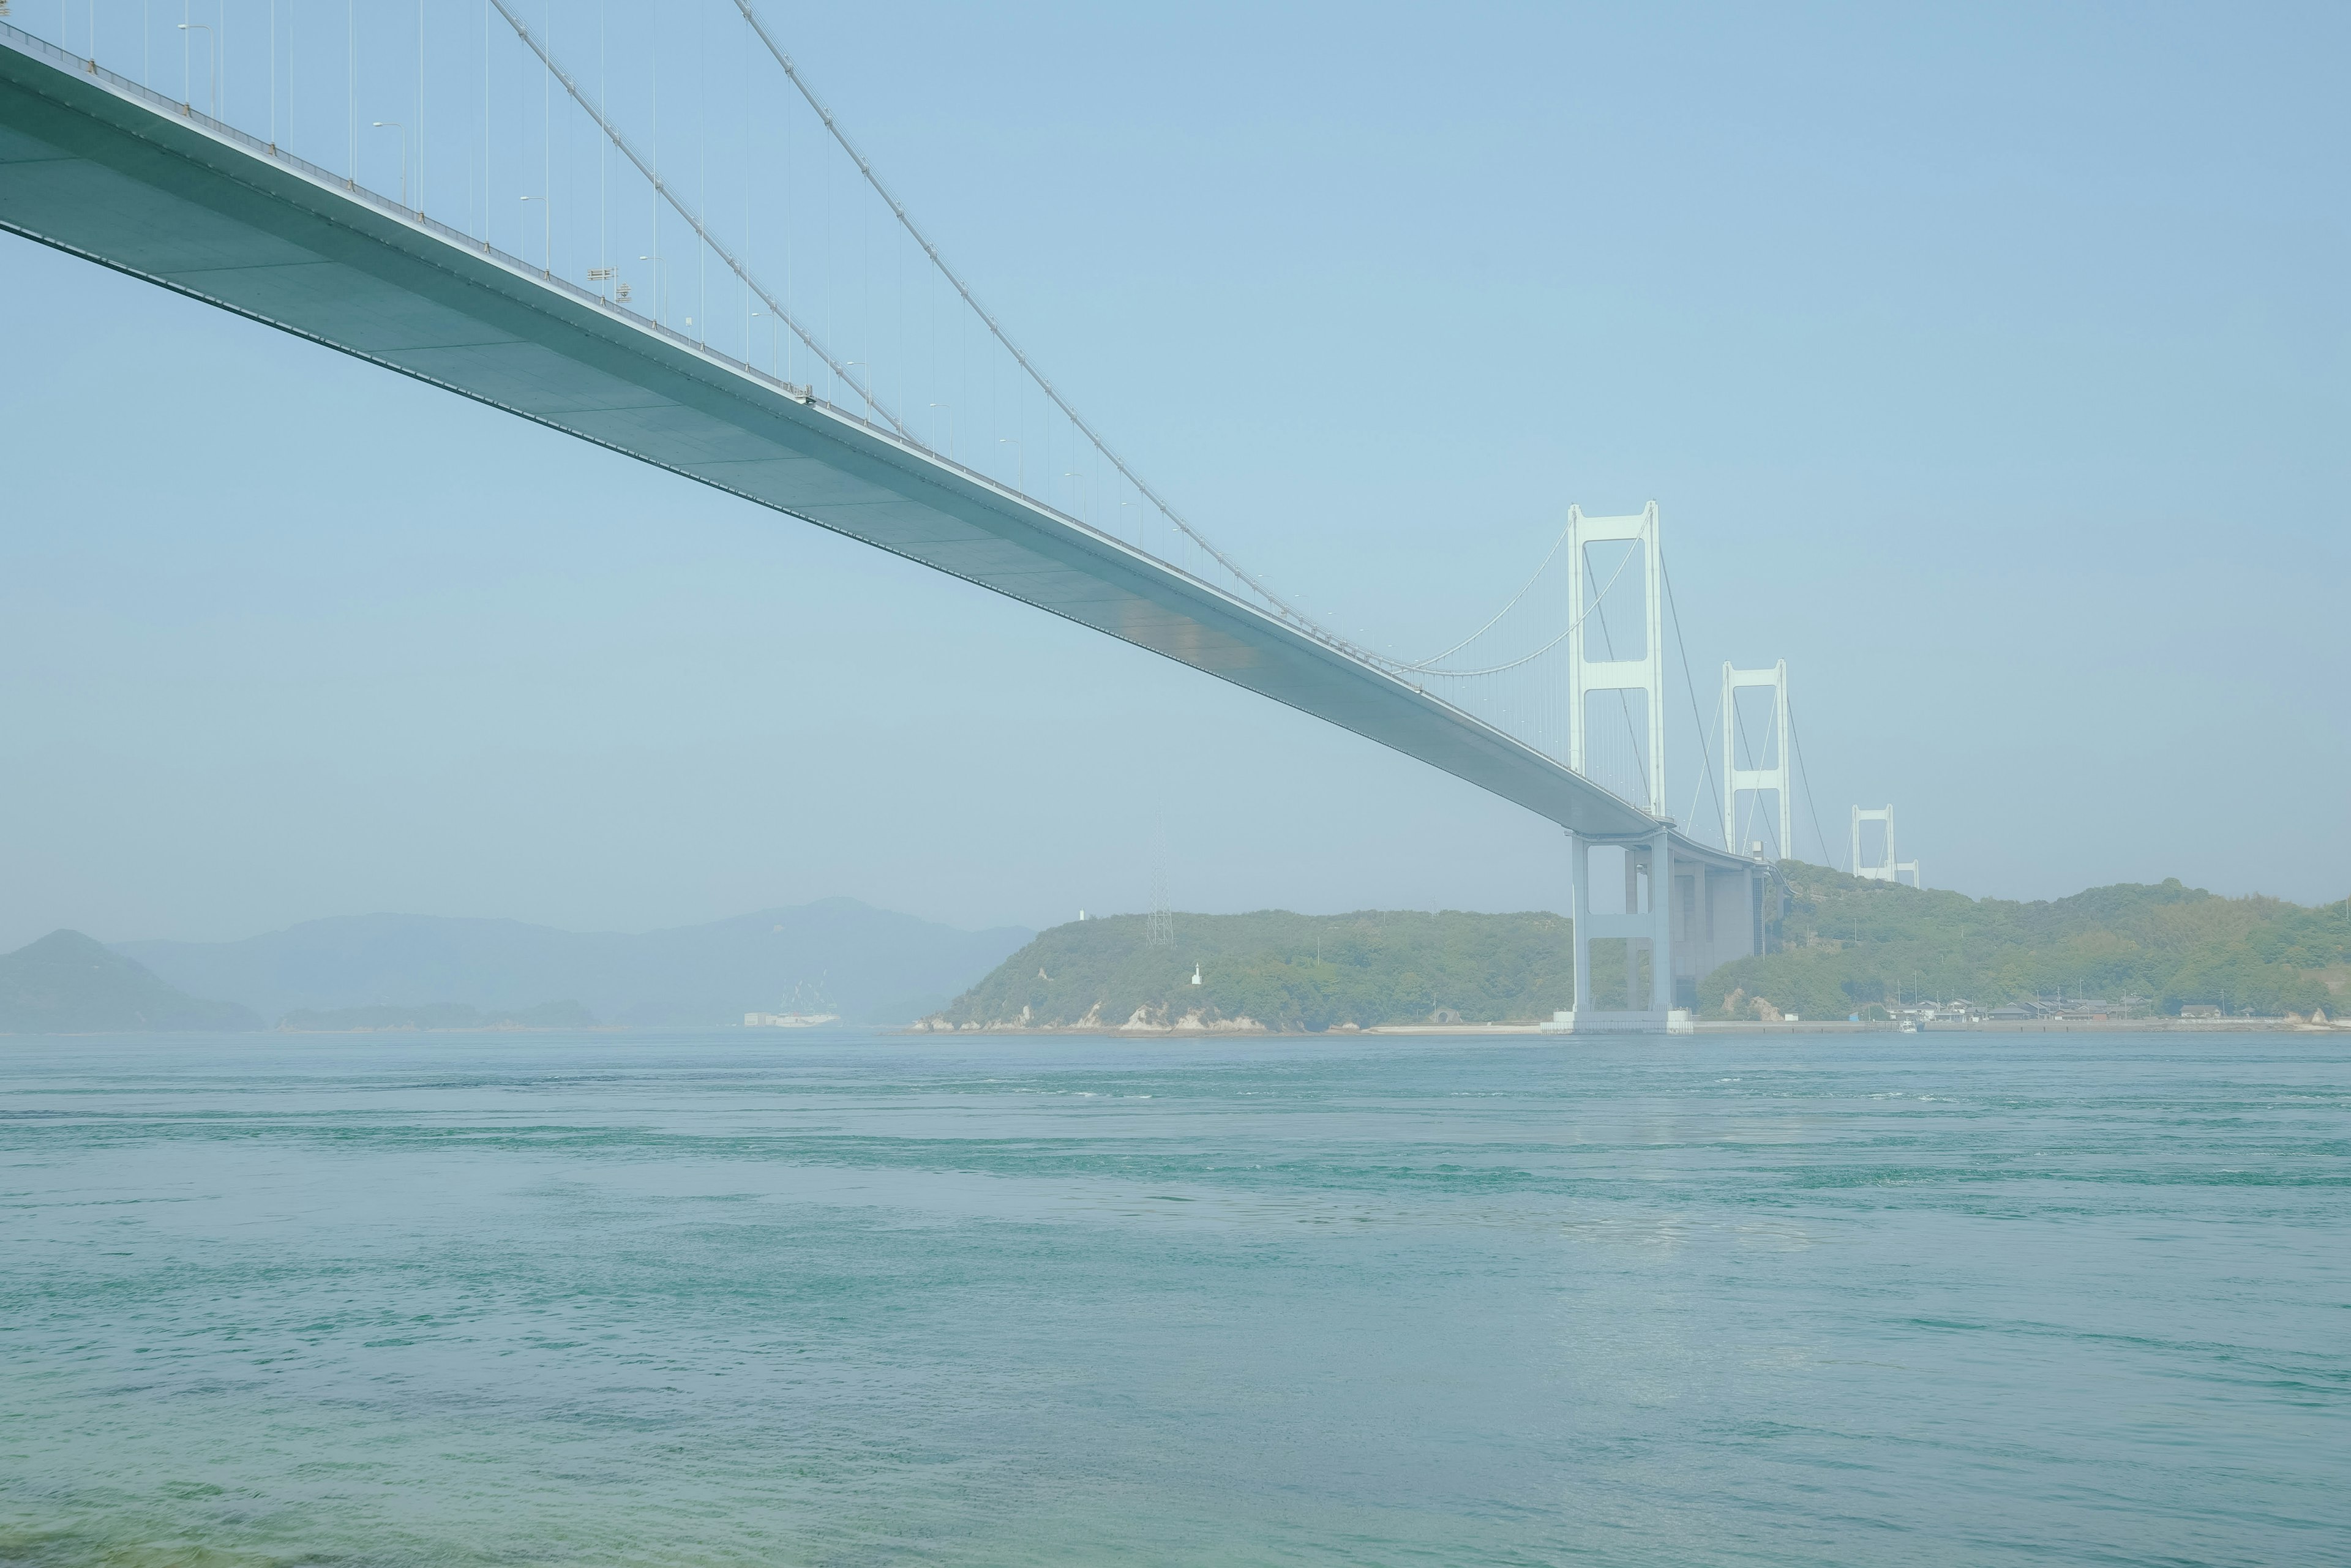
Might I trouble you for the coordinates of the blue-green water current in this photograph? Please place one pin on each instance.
(848, 1298)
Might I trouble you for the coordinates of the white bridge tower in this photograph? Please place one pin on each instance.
(1774, 775)
(1644, 672)
(1888, 869)
(1682, 909)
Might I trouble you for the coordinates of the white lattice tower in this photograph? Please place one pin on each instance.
(1646, 673)
(1777, 776)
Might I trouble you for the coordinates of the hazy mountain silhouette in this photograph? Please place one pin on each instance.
(868, 965)
(67, 983)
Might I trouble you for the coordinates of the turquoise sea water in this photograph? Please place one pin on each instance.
(864, 1298)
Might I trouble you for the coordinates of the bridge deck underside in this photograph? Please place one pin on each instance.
(91, 165)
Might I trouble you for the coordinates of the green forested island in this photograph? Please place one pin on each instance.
(1844, 943)
(1281, 970)
(1841, 946)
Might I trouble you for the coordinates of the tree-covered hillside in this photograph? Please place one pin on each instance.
(1844, 945)
(1285, 971)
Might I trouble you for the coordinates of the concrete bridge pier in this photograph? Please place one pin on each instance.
(1645, 925)
(1684, 912)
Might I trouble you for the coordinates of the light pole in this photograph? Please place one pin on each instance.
(547, 240)
(212, 66)
(1020, 453)
(395, 125)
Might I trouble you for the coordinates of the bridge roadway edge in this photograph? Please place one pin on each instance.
(162, 165)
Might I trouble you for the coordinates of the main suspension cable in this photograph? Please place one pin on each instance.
(1573, 627)
(1689, 680)
(996, 329)
(596, 113)
(1498, 614)
(1810, 804)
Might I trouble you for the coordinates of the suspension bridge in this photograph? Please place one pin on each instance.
(675, 250)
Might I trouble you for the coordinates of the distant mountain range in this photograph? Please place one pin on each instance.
(869, 965)
(67, 983)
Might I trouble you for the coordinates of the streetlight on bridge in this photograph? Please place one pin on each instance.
(212, 65)
(547, 241)
(395, 125)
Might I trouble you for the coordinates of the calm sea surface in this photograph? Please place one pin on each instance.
(847, 1299)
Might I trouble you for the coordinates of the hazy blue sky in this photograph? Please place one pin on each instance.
(1990, 366)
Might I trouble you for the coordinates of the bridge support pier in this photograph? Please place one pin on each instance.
(1644, 925)
(1683, 914)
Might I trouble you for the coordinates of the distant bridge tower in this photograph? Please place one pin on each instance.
(1775, 776)
(1888, 869)
(1644, 673)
